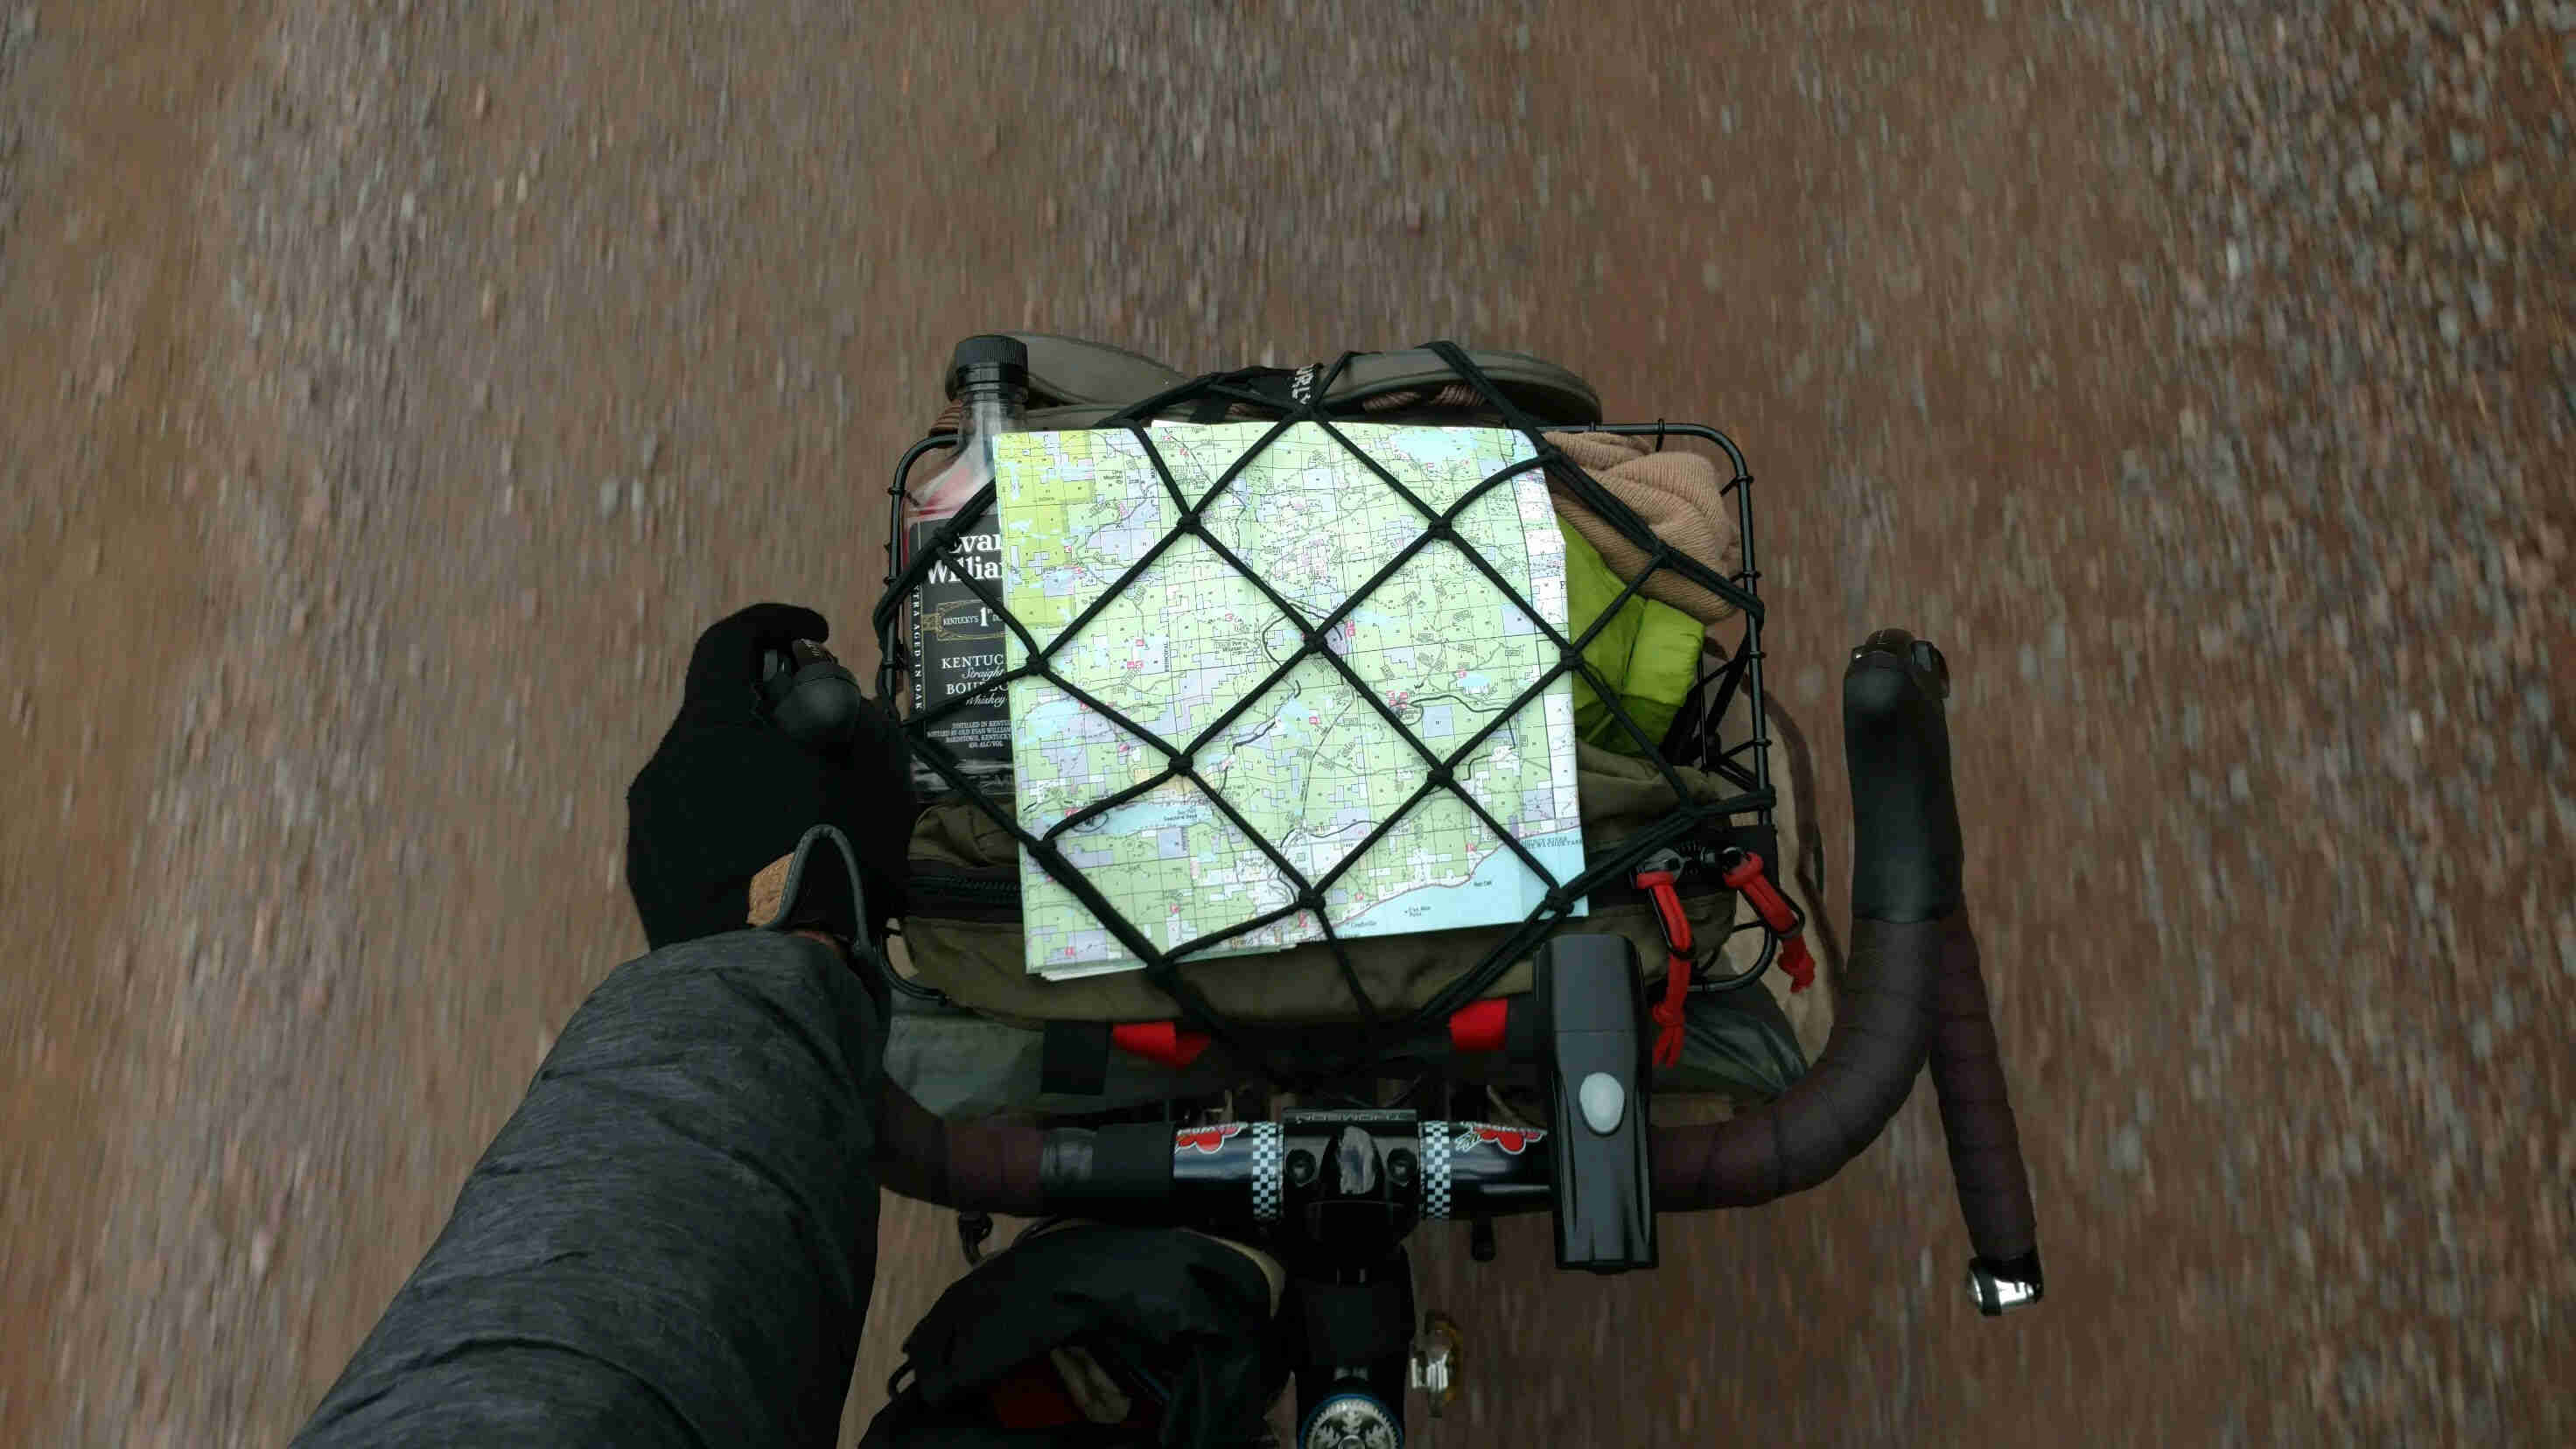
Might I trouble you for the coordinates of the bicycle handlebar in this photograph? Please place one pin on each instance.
(1912, 990)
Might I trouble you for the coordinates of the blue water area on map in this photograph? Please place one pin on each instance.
(1502, 891)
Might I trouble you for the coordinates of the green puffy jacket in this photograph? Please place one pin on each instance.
(1649, 653)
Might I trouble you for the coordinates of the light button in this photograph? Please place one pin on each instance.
(1603, 1102)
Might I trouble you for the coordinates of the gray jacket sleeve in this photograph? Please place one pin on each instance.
(671, 1241)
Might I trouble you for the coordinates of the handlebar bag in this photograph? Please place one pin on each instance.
(962, 926)
(961, 931)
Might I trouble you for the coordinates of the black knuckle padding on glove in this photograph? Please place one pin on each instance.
(1199, 1310)
(727, 792)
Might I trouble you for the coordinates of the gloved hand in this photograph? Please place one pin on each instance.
(1198, 1316)
(727, 792)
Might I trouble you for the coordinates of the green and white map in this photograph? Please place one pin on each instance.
(1309, 764)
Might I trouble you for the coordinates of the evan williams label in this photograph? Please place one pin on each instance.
(957, 645)
(977, 554)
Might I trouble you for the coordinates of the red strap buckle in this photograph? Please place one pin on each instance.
(1784, 920)
(1661, 884)
(1159, 1041)
(1481, 1026)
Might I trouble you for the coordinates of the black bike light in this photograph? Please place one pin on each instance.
(1592, 1025)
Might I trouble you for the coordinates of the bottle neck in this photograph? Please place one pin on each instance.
(993, 407)
(990, 408)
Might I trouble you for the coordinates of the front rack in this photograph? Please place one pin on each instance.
(1693, 741)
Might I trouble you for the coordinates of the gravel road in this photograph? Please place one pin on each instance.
(390, 391)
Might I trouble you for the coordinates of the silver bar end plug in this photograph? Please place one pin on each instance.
(2001, 1286)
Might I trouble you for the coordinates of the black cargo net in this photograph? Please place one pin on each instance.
(1693, 740)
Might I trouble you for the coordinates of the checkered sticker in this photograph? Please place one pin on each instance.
(1435, 1171)
(1268, 1155)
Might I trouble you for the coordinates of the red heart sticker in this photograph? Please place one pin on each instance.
(1511, 1139)
(1205, 1139)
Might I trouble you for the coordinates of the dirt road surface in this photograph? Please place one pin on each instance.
(390, 391)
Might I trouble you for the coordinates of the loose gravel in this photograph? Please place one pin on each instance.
(390, 404)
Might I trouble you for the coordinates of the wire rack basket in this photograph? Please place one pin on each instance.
(1729, 686)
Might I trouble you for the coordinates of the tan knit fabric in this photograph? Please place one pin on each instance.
(769, 890)
(1676, 493)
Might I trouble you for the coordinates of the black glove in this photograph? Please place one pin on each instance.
(1199, 1317)
(727, 792)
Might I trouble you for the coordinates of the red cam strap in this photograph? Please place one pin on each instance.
(1782, 918)
(1668, 1013)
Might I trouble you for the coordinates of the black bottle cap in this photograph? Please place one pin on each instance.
(988, 358)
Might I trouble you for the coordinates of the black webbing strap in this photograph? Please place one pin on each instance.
(1273, 387)
(1354, 1323)
(1073, 1058)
